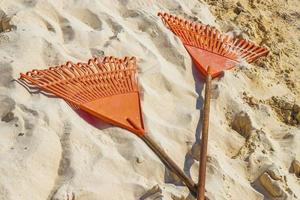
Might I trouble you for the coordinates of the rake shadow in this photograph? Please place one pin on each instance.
(199, 85)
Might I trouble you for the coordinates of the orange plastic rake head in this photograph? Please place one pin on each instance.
(106, 88)
(208, 47)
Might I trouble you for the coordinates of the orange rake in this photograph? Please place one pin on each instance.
(212, 53)
(107, 89)
(208, 47)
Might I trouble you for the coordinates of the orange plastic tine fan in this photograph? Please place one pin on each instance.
(106, 88)
(212, 53)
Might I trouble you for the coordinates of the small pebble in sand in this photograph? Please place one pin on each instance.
(140, 159)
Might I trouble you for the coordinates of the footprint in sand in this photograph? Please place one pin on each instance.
(88, 17)
(67, 30)
(7, 104)
(29, 122)
(148, 24)
(155, 193)
(6, 75)
(115, 27)
(49, 26)
(51, 55)
(65, 170)
(6, 109)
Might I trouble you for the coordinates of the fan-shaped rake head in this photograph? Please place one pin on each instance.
(106, 88)
(208, 47)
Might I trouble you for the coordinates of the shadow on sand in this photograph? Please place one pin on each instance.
(199, 85)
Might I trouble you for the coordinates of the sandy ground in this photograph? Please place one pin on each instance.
(49, 152)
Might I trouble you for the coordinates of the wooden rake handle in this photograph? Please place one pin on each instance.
(168, 162)
(204, 140)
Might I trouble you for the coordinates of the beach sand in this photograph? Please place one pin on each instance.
(48, 152)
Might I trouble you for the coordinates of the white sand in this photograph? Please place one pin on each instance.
(48, 152)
